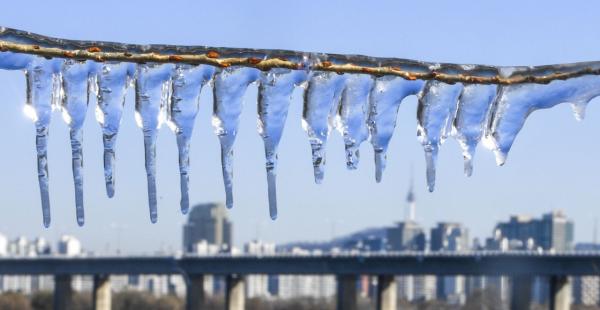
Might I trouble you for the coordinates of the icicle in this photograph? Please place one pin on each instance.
(14, 61)
(274, 96)
(40, 75)
(230, 85)
(386, 96)
(113, 80)
(321, 102)
(515, 102)
(436, 111)
(151, 96)
(187, 83)
(76, 78)
(473, 109)
(352, 118)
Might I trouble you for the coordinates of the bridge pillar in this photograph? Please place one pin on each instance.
(195, 292)
(101, 295)
(520, 297)
(347, 297)
(63, 292)
(560, 293)
(386, 292)
(235, 298)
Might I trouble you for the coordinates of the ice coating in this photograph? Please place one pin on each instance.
(274, 96)
(187, 82)
(40, 76)
(321, 102)
(230, 85)
(113, 80)
(353, 113)
(14, 61)
(471, 119)
(77, 81)
(437, 108)
(386, 96)
(151, 95)
(515, 102)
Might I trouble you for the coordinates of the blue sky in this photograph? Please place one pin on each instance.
(553, 163)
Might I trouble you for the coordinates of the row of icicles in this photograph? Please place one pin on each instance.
(359, 106)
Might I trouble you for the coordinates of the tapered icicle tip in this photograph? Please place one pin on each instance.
(80, 220)
(272, 192)
(468, 166)
(500, 157)
(153, 217)
(229, 201)
(110, 189)
(185, 206)
(379, 165)
(430, 158)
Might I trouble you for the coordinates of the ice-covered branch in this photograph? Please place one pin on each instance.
(359, 96)
(17, 41)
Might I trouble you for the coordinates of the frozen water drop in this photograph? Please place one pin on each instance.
(113, 80)
(40, 75)
(353, 113)
(515, 103)
(386, 96)
(230, 85)
(187, 82)
(437, 109)
(152, 91)
(76, 80)
(471, 119)
(321, 102)
(274, 96)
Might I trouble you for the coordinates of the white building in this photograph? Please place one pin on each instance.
(258, 285)
(292, 286)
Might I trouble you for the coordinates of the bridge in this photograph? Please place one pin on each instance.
(521, 266)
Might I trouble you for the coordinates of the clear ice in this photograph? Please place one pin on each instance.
(42, 76)
(152, 91)
(113, 80)
(353, 113)
(516, 102)
(78, 82)
(386, 96)
(321, 103)
(274, 96)
(230, 85)
(471, 119)
(187, 82)
(437, 107)
(358, 105)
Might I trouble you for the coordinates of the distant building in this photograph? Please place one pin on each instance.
(553, 231)
(259, 285)
(69, 246)
(207, 222)
(586, 290)
(294, 286)
(450, 237)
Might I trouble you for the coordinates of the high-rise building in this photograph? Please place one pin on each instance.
(207, 222)
(450, 237)
(553, 231)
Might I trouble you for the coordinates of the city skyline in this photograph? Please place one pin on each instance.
(550, 167)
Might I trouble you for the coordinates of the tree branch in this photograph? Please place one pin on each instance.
(17, 41)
